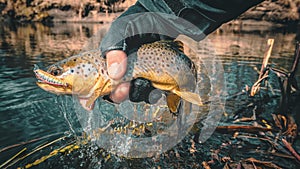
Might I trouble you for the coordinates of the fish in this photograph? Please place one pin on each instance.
(85, 75)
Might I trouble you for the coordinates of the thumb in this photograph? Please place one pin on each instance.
(116, 63)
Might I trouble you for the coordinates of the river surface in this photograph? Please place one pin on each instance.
(27, 112)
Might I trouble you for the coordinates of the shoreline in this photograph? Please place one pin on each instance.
(269, 13)
(244, 25)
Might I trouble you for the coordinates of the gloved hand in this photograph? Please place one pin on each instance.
(149, 21)
(132, 29)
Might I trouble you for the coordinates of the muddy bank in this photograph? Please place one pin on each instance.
(283, 12)
(48, 11)
(276, 11)
(270, 14)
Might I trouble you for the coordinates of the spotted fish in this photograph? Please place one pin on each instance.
(85, 75)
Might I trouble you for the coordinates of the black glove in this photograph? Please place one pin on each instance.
(152, 20)
(206, 15)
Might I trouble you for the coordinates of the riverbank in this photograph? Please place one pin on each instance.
(278, 12)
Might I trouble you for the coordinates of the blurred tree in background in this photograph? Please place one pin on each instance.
(278, 11)
(41, 10)
(113, 4)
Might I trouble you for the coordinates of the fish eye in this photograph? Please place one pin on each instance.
(55, 71)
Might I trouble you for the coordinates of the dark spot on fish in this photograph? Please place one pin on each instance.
(89, 54)
(78, 67)
(89, 69)
(72, 71)
(168, 65)
(74, 60)
(167, 58)
(96, 60)
(102, 71)
(83, 65)
(86, 75)
(89, 62)
(77, 72)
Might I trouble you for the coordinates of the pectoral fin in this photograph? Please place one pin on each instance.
(99, 89)
(189, 96)
(86, 105)
(173, 102)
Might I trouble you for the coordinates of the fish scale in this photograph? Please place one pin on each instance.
(161, 58)
(163, 63)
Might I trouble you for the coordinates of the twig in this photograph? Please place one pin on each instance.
(245, 128)
(265, 138)
(34, 151)
(296, 60)
(205, 165)
(70, 147)
(256, 86)
(9, 160)
(265, 163)
(279, 73)
(254, 165)
(27, 142)
(266, 56)
(291, 149)
(263, 73)
(283, 155)
(244, 119)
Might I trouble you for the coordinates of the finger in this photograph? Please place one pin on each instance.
(116, 63)
(120, 93)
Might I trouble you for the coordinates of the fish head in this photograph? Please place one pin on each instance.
(51, 82)
(76, 75)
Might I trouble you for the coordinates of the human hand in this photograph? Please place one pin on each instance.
(116, 61)
(133, 28)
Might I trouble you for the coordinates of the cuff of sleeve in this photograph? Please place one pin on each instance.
(115, 47)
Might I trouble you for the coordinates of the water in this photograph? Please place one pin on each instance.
(27, 112)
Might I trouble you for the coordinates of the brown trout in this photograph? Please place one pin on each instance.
(85, 75)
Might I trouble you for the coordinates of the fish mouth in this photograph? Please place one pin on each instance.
(51, 83)
(44, 77)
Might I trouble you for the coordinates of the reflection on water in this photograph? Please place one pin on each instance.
(27, 112)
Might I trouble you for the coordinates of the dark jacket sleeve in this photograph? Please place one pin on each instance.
(152, 20)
